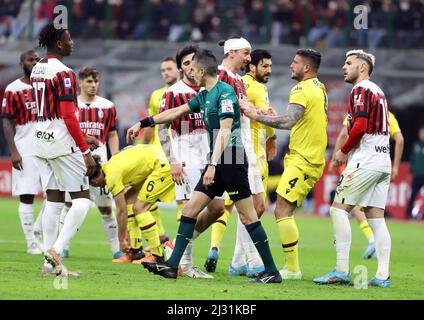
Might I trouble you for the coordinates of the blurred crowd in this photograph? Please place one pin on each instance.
(327, 23)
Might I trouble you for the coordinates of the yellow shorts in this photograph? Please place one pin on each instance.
(298, 178)
(158, 186)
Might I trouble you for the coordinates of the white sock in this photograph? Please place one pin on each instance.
(26, 215)
(343, 238)
(239, 257)
(38, 222)
(253, 258)
(49, 222)
(73, 222)
(63, 214)
(187, 258)
(110, 227)
(371, 240)
(383, 244)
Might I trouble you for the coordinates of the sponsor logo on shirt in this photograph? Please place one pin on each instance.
(227, 105)
(46, 135)
(382, 149)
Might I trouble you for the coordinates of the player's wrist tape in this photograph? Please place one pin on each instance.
(86, 152)
(147, 122)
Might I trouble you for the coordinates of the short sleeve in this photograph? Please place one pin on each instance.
(297, 96)
(227, 103)
(360, 100)
(194, 104)
(394, 125)
(66, 86)
(8, 108)
(113, 119)
(114, 183)
(167, 101)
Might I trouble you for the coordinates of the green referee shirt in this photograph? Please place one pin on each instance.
(215, 105)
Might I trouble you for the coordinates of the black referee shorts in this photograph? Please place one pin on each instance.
(232, 178)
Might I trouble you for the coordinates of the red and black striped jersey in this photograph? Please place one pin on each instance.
(98, 118)
(19, 104)
(53, 82)
(233, 79)
(368, 100)
(176, 95)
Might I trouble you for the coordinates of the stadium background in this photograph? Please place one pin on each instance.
(126, 40)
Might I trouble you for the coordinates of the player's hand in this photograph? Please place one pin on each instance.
(339, 159)
(16, 160)
(332, 167)
(90, 164)
(93, 143)
(268, 112)
(178, 173)
(248, 109)
(395, 172)
(271, 149)
(132, 132)
(209, 176)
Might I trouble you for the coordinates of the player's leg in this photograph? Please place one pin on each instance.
(26, 216)
(375, 215)
(367, 231)
(68, 204)
(155, 211)
(38, 229)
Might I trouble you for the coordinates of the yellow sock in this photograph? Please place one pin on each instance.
(155, 211)
(289, 235)
(133, 229)
(149, 230)
(366, 229)
(180, 211)
(218, 229)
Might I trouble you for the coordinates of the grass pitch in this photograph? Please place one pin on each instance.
(21, 278)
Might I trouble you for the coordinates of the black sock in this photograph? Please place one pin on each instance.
(259, 238)
(184, 235)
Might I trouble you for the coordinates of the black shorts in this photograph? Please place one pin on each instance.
(232, 178)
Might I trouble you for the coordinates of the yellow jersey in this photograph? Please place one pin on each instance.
(257, 94)
(154, 107)
(308, 137)
(131, 166)
(393, 125)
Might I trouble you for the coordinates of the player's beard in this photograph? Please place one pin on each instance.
(27, 71)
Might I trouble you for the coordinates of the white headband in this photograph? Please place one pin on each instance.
(236, 44)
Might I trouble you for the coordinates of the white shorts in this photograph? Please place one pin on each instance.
(64, 173)
(255, 180)
(362, 187)
(26, 181)
(184, 191)
(100, 196)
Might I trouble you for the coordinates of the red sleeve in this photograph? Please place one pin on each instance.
(167, 101)
(67, 110)
(67, 86)
(355, 134)
(8, 106)
(361, 101)
(113, 119)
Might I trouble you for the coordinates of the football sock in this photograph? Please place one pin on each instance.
(382, 246)
(253, 258)
(62, 217)
(37, 224)
(133, 230)
(367, 231)
(187, 258)
(49, 223)
(184, 235)
(110, 226)
(180, 211)
(149, 230)
(26, 215)
(218, 229)
(259, 238)
(155, 211)
(343, 238)
(73, 222)
(289, 236)
(239, 256)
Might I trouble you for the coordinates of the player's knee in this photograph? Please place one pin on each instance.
(217, 208)
(260, 208)
(81, 204)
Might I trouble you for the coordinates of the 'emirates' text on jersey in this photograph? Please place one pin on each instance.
(19, 104)
(373, 152)
(53, 82)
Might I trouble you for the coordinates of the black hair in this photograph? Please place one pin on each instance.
(206, 59)
(25, 54)
(98, 170)
(168, 59)
(313, 56)
(86, 72)
(189, 49)
(50, 35)
(257, 55)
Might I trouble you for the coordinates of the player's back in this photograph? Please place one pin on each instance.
(132, 165)
(308, 137)
(53, 82)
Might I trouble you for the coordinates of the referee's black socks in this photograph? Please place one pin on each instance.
(184, 235)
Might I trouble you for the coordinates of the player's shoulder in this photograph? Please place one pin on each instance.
(367, 85)
(225, 88)
(297, 88)
(180, 87)
(103, 103)
(17, 85)
(159, 92)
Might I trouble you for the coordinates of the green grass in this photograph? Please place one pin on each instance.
(20, 276)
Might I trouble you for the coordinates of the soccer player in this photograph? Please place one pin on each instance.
(366, 179)
(19, 114)
(227, 170)
(188, 151)
(62, 151)
(144, 170)
(306, 118)
(236, 58)
(170, 75)
(97, 118)
(396, 135)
